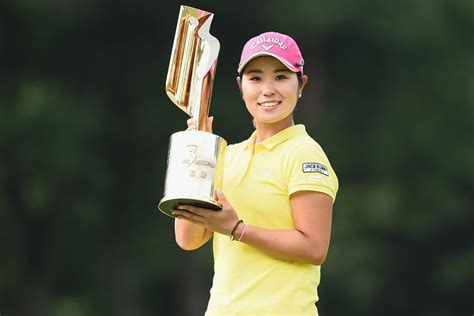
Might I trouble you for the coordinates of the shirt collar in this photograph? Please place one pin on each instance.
(279, 137)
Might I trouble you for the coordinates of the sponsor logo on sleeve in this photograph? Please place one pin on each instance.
(312, 167)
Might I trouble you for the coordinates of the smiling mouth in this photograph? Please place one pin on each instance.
(269, 104)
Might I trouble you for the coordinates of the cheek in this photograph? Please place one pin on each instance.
(293, 90)
(247, 98)
(248, 94)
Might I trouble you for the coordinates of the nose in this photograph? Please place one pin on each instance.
(268, 89)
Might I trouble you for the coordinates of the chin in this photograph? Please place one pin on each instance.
(273, 119)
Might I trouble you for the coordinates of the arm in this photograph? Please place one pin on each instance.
(190, 236)
(307, 243)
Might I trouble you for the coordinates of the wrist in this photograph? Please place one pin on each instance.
(236, 226)
(240, 232)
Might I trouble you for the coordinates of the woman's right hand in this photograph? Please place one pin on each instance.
(192, 124)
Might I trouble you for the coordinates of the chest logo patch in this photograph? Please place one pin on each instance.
(266, 172)
(312, 167)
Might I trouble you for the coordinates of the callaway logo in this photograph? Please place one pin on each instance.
(267, 47)
(264, 39)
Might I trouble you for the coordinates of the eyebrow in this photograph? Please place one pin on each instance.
(283, 70)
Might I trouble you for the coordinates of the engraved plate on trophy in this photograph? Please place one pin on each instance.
(195, 158)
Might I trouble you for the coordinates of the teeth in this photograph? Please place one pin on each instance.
(269, 104)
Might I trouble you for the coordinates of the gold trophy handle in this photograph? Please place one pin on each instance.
(192, 65)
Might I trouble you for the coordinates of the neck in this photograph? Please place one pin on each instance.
(265, 130)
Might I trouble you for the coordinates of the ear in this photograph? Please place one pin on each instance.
(240, 86)
(305, 81)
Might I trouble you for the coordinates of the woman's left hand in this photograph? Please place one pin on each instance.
(222, 221)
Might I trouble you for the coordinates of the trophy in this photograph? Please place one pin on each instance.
(195, 158)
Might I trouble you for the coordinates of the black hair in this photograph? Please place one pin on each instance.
(300, 77)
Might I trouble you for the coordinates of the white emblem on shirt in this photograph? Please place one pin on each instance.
(266, 172)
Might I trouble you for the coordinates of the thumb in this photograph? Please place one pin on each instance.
(191, 124)
(221, 197)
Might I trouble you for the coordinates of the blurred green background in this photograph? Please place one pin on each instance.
(85, 124)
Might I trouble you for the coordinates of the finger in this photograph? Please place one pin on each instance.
(202, 212)
(221, 197)
(181, 213)
(191, 124)
(190, 212)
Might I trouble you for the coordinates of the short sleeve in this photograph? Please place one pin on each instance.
(310, 170)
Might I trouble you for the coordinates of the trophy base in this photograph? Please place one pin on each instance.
(167, 206)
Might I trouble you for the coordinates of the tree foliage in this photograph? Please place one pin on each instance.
(84, 130)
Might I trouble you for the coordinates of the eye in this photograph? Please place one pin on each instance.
(255, 78)
(281, 77)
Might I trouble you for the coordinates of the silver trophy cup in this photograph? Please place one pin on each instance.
(195, 158)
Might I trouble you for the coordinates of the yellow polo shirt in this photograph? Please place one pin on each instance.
(258, 184)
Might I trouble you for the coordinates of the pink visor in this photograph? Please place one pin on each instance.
(274, 44)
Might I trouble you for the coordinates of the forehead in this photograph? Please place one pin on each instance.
(265, 63)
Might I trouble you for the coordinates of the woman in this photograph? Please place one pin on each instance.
(273, 231)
